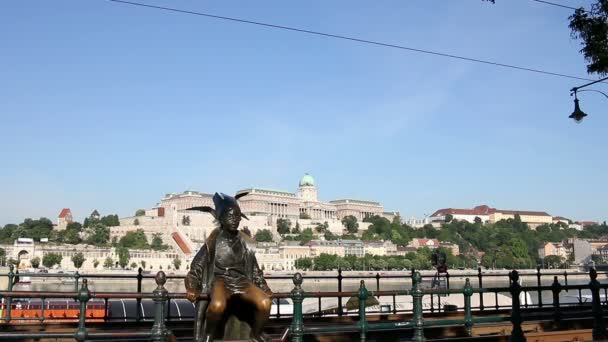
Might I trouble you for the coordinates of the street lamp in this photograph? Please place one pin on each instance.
(578, 115)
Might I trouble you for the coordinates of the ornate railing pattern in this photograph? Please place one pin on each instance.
(298, 328)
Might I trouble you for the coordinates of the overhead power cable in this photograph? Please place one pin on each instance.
(354, 39)
(555, 4)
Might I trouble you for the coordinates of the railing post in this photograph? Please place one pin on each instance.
(9, 300)
(377, 281)
(363, 294)
(566, 279)
(138, 308)
(83, 297)
(480, 282)
(76, 281)
(599, 327)
(468, 313)
(556, 288)
(340, 312)
(538, 283)
(417, 300)
(159, 332)
(517, 335)
(297, 296)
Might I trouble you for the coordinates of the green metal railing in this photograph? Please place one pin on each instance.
(418, 324)
(299, 328)
(159, 331)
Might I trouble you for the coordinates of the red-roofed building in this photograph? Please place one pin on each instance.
(492, 215)
(558, 219)
(481, 211)
(64, 218)
(430, 243)
(587, 223)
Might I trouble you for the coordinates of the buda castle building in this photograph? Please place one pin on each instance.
(187, 229)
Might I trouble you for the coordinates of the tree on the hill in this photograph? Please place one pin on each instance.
(78, 259)
(351, 224)
(110, 221)
(449, 218)
(123, 256)
(135, 240)
(51, 259)
(108, 263)
(303, 263)
(283, 226)
(140, 212)
(35, 262)
(157, 243)
(296, 229)
(136, 222)
(98, 235)
(263, 235)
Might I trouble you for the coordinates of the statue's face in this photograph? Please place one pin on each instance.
(231, 219)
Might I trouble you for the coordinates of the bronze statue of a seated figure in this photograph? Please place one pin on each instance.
(226, 269)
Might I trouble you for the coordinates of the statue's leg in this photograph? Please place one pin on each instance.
(199, 320)
(216, 308)
(262, 302)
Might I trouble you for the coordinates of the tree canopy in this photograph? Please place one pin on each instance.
(263, 235)
(350, 223)
(51, 259)
(283, 226)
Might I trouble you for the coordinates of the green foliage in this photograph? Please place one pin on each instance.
(95, 263)
(304, 216)
(322, 227)
(591, 27)
(449, 218)
(157, 243)
(263, 235)
(133, 265)
(51, 259)
(35, 229)
(326, 262)
(306, 236)
(140, 212)
(108, 263)
(134, 240)
(296, 229)
(136, 222)
(98, 235)
(283, 226)
(110, 221)
(304, 263)
(177, 263)
(330, 236)
(123, 256)
(143, 264)
(35, 262)
(382, 229)
(78, 259)
(351, 224)
(186, 220)
(553, 261)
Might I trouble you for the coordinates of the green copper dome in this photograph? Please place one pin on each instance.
(307, 180)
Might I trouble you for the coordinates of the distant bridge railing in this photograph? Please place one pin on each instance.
(160, 297)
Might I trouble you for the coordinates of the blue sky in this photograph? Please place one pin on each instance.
(108, 106)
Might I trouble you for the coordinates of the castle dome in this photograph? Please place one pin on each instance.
(307, 180)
